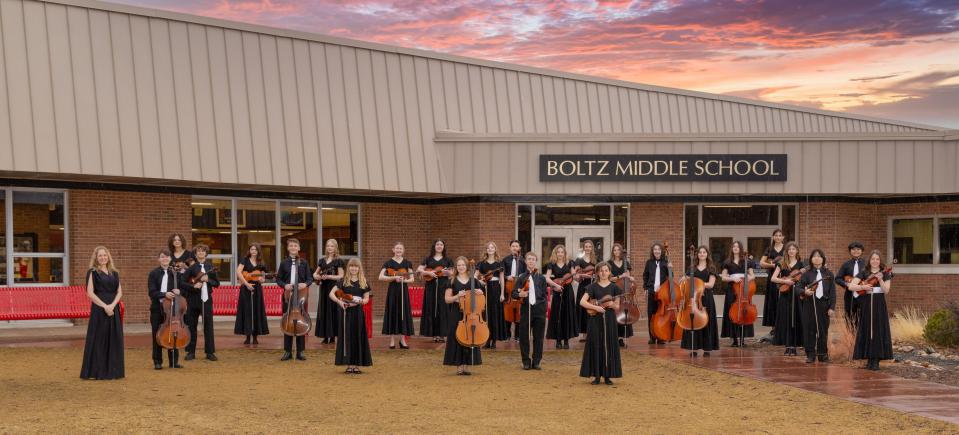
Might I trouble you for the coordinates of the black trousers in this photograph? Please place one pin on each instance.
(651, 306)
(156, 319)
(195, 309)
(538, 325)
(288, 343)
(811, 317)
(850, 306)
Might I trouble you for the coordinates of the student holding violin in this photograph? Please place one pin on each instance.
(435, 270)
(818, 304)
(161, 285)
(397, 314)
(456, 354)
(514, 265)
(531, 290)
(197, 284)
(293, 268)
(620, 268)
(350, 294)
(788, 321)
(490, 272)
(584, 268)
(851, 269)
(734, 270)
(771, 258)
(250, 307)
(562, 311)
(655, 273)
(873, 340)
(329, 270)
(707, 338)
(601, 357)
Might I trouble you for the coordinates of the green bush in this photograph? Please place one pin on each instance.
(943, 328)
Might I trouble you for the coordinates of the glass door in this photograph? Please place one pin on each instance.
(548, 238)
(545, 238)
(757, 239)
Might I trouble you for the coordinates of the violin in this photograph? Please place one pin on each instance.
(398, 272)
(440, 272)
(692, 314)
(344, 296)
(588, 271)
(257, 276)
(296, 320)
(664, 323)
(871, 281)
(472, 330)
(564, 280)
(810, 286)
(199, 277)
(743, 311)
(173, 334)
(489, 275)
(603, 302)
(794, 276)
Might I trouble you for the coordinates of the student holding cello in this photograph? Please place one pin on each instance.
(734, 272)
(655, 273)
(161, 284)
(458, 354)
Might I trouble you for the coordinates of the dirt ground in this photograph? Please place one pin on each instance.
(250, 391)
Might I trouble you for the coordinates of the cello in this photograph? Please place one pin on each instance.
(692, 314)
(628, 311)
(296, 320)
(173, 334)
(511, 305)
(664, 323)
(743, 312)
(472, 330)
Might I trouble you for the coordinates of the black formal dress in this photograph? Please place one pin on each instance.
(353, 343)
(103, 350)
(397, 313)
(284, 276)
(186, 258)
(456, 354)
(513, 265)
(815, 316)
(434, 319)
(771, 301)
(789, 330)
(622, 331)
(650, 284)
(328, 322)
(157, 288)
(498, 329)
(563, 316)
(707, 338)
(729, 328)
(250, 307)
(197, 307)
(851, 267)
(532, 318)
(601, 353)
(580, 290)
(873, 339)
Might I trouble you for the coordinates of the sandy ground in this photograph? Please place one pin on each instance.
(250, 391)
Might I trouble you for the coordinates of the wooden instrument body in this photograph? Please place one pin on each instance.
(199, 277)
(691, 315)
(872, 281)
(511, 305)
(664, 323)
(600, 301)
(628, 311)
(794, 275)
(404, 272)
(564, 280)
(173, 333)
(472, 330)
(588, 271)
(296, 320)
(489, 275)
(257, 276)
(438, 270)
(743, 311)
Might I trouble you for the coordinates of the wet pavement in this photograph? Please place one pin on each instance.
(875, 388)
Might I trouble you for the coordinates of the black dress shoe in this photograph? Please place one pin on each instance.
(492, 345)
(810, 359)
(527, 366)
(300, 357)
(247, 341)
(157, 366)
(177, 366)
(823, 358)
(392, 346)
(705, 354)
(595, 381)
(537, 367)
(286, 356)
(609, 381)
(651, 341)
(622, 343)
(404, 346)
(190, 356)
(255, 341)
(212, 357)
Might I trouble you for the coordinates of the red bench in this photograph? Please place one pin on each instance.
(35, 303)
(416, 300)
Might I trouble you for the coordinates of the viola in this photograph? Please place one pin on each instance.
(743, 311)
(628, 311)
(472, 330)
(438, 270)
(664, 323)
(871, 281)
(173, 334)
(296, 320)
(794, 276)
(344, 296)
(258, 275)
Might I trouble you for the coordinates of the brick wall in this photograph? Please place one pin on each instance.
(654, 223)
(134, 226)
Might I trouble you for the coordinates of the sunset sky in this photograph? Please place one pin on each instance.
(892, 59)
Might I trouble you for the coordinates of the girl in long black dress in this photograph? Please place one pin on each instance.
(435, 315)
(250, 309)
(353, 343)
(873, 339)
(182, 258)
(397, 314)
(563, 313)
(492, 263)
(329, 270)
(769, 261)
(582, 274)
(456, 354)
(707, 338)
(655, 273)
(788, 319)
(103, 350)
(734, 271)
(621, 270)
(601, 352)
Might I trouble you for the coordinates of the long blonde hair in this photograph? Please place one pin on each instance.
(361, 276)
(486, 254)
(592, 253)
(336, 248)
(552, 255)
(93, 259)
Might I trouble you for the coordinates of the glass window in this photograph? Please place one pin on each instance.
(298, 220)
(949, 240)
(741, 215)
(524, 227)
(621, 225)
(256, 223)
(38, 222)
(912, 240)
(341, 222)
(212, 225)
(789, 223)
(572, 215)
(44, 270)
